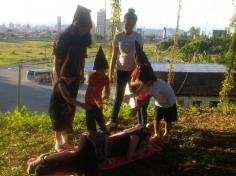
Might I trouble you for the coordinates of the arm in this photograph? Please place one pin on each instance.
(113, 62)
(56, 68)
(98, 103)
(135, 83)
(138, 90)
(64, 92)
(92, 89)
(107, 92)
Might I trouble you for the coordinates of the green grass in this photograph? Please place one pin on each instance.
(203, 143)
(21, 51)
(12, 52)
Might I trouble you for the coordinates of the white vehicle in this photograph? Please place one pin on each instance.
(40, 75)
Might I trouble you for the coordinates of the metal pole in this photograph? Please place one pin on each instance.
(19, 88)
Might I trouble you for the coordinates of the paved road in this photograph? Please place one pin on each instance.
(35, 96)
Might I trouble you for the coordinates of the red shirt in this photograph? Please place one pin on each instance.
(134, 76)
(95, 86)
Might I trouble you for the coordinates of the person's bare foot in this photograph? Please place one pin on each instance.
(156, 137)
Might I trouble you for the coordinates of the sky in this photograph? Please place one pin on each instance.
(206, 14)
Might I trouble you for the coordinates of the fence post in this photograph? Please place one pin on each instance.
(19, 88)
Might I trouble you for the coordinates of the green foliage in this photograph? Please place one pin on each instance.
(204, 50)
(227, 85)
(115, 18)
(165, 44)
(26, 121)
(193, 32)
(149, 37)
(228, 82)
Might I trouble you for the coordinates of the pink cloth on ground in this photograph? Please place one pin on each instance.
(111, 162)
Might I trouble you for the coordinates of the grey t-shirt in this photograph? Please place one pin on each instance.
(163, 94)
(126, 45)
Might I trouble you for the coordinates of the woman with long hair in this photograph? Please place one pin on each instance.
(73, 44)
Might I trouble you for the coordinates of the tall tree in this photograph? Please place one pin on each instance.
(193, 32)
(174, 48)
(115, 23)
(115, 19)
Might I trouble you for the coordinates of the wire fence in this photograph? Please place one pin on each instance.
(27, 85)
(18, 90)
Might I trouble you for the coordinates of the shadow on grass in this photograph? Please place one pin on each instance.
(192, 152)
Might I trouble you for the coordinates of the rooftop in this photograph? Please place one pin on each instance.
(192, 68)
(180, 67)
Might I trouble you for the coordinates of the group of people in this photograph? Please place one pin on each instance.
(132, 67)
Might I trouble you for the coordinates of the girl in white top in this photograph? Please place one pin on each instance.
(123, 58)
(165, 100)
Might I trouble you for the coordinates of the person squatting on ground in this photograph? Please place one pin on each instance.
(91, 151)
(72, 44)
(62, 103)
(93, 96)
(140, 59)
(165, 101)
(123, 55)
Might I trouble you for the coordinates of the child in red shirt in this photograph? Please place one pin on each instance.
(140, 59)
(93, 97)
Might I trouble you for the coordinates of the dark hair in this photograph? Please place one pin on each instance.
(130, 15)
(147, 73)
(140, 56)
(70, 37)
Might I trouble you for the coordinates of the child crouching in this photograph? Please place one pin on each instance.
(165, 101)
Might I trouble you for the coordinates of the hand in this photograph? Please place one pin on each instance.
(99, 104)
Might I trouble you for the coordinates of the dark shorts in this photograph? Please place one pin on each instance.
(168, 114)
(59, 120)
